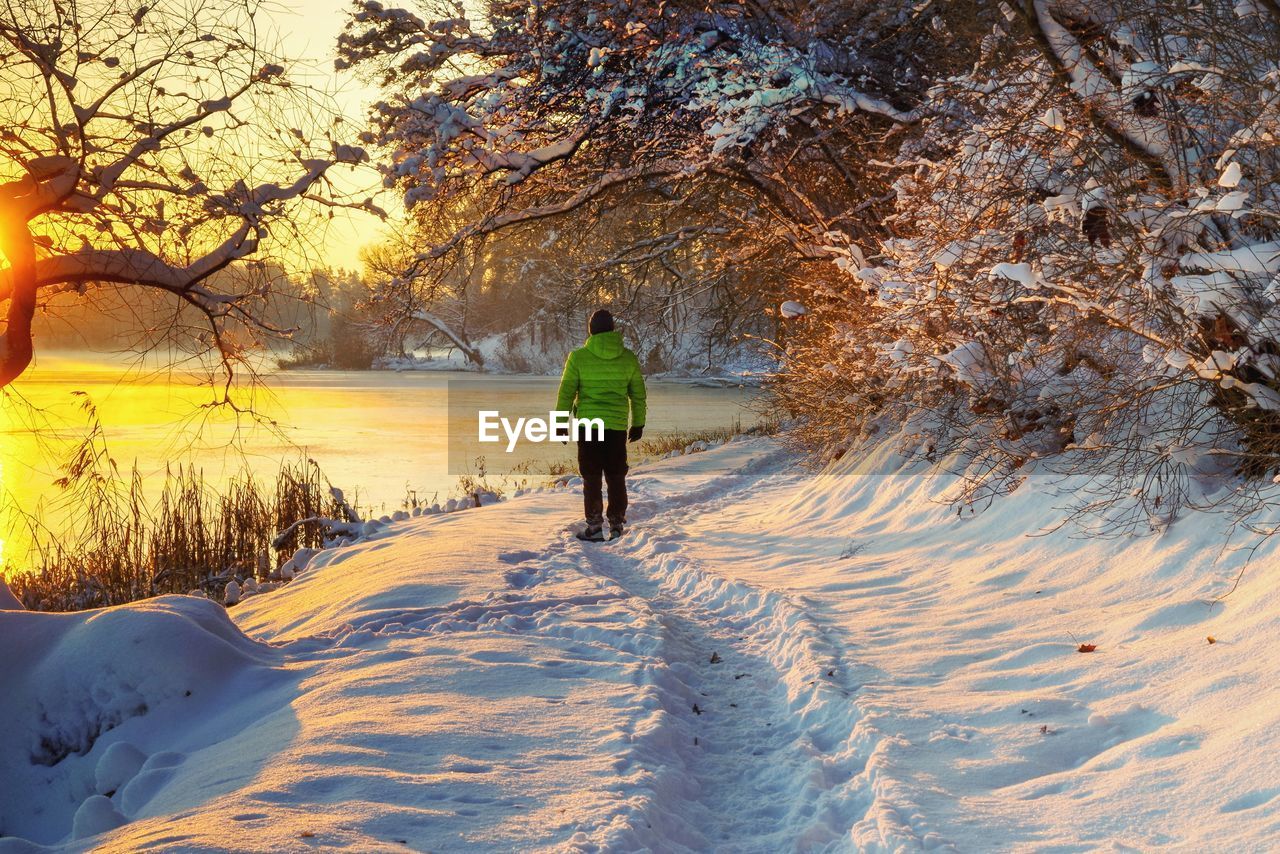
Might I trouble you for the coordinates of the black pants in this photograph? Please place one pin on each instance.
(607, 457)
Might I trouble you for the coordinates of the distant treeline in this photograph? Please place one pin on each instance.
(513, 307)
(305, 313)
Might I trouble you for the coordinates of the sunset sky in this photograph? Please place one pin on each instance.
(309, 32)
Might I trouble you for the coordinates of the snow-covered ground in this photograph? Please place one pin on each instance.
(769, 661)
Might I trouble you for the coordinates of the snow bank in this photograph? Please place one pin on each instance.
(88, 696)
(991, 730)
(8, 602)
(527, 351)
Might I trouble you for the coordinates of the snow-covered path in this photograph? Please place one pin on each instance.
(734, 667)
(768, 661)
(478, 679)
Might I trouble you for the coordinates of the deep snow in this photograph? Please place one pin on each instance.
(769, 661)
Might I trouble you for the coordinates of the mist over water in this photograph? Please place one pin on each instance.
(378, 435)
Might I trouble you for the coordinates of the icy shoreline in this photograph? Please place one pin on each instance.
(719, 379)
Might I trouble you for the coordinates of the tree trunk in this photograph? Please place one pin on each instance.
(15, 344)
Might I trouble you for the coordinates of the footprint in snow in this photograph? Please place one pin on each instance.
(521, 579)
(1250, 801)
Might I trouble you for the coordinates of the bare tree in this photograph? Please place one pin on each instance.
(152, 145)
(681, 150)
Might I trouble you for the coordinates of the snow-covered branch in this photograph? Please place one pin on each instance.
(1144, 137)
(597, 188)
(447, 331)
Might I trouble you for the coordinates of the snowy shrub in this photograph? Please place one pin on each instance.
(1080, 265)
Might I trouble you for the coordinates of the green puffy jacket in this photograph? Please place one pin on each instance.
(604, 377)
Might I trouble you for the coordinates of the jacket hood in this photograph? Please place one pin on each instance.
(606, 345)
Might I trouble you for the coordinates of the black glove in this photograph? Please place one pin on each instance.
(634, 434)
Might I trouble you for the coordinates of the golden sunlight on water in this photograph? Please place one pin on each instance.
(378, 435)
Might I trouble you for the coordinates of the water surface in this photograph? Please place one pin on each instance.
(382, 436)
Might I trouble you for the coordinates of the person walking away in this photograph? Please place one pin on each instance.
(602, 380)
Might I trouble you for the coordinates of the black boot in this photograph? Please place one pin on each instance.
(592, 533)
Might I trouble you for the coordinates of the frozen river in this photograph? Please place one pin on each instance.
(376, 434)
